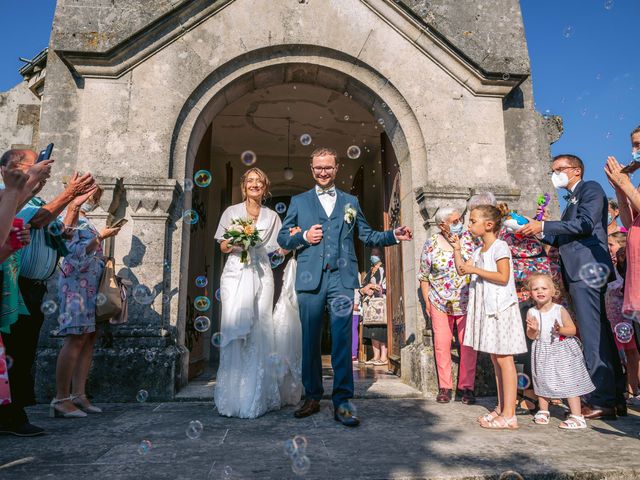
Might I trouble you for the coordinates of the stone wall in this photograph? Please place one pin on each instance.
(19, 118)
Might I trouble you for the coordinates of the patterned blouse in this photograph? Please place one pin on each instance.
(449, 291)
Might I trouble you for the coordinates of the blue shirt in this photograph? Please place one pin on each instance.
(39, 261)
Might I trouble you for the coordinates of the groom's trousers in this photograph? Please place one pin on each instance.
(332, 297)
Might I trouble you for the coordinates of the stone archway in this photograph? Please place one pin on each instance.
(332, 71)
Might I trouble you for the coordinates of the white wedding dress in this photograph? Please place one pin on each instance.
(260, 351)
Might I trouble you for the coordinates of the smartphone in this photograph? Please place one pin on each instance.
(120, 223)
(45, 154)
(14, 241)
(632, 167)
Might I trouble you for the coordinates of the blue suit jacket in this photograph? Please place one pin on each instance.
(581, 234)
(304, 212)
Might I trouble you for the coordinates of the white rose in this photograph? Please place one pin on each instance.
(236, 228)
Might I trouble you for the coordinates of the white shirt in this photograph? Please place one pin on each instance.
(327, 201)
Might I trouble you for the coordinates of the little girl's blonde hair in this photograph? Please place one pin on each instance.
(529, 282)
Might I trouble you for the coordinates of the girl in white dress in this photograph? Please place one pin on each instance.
(252, 370)
(559, 369)
(494, 324)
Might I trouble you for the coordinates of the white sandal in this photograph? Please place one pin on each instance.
(542, 417)
(574, 422)
(76, 399)
(488, 417)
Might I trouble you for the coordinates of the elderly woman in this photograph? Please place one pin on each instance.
(446, 294)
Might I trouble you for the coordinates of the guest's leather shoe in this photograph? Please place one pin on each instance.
(308, 408)
(593, 412)
(621, 410)
(444, 395)
(468, 397)
(345, 417)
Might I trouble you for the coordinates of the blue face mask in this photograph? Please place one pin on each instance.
(456, 228)
(609, 218)
(636, 155)
(374, 259)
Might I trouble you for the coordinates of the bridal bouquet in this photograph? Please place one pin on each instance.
(243, 233)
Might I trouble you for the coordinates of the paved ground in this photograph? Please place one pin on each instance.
(410, 438)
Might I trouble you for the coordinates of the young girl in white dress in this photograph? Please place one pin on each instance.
(494, 324)
(558, 366)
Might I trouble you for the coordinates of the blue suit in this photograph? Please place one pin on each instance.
(581, 237)
(326, 277)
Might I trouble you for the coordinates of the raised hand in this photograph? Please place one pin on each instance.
(14, 179)
(314, 234)
(107, 232)
(613, 170)
(79, 185)
(39, 173)
(84, 197)
(532, 325)
(403, 234)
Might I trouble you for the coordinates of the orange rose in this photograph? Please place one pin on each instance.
(249, 230)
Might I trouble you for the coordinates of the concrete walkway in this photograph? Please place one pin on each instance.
(409, 438)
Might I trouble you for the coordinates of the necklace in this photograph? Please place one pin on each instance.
(251, 214)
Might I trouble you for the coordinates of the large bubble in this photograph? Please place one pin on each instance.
(595, 275)
(202, 324)
(202, 303)
(624, 332)
(202, 178)
(194, 429)
(305, 139)
(354, 152)
(248, 158)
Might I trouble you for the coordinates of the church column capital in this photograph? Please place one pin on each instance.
(152, 198)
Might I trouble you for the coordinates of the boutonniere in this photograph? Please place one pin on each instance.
(349, 213)
(571, 199)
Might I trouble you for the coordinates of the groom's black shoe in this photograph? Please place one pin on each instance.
(345, 417)
(308, 408)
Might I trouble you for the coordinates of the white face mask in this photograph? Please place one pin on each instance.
(560, 180)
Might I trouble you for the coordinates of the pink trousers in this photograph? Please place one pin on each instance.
(442, 336)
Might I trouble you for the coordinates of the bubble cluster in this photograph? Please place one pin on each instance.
(143, 294)
(281, 207)
(202, 324)
(49, 307)
(149, 355)
(567, 32)
(142, 396)
(341, 306)
(216, 339)
(296, 448)
(524, 382)
(190, 217)
(248, 158)
(56, 228)
(194, 429)
(624, 332)
(595, 275)
(202, 178)
(202, 303)
(305, 139)
(354, 152)
(201, 281)
(276, 259)
(144, 447)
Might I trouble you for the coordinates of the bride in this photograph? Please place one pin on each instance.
(260, 350)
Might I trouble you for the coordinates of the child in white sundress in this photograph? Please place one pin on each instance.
(558, 366)
(494, 324)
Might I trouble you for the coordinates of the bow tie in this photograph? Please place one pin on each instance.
(329, 191)
(568, 197)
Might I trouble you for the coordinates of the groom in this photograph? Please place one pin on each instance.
(326, 277)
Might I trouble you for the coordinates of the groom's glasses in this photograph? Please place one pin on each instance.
(321, 169)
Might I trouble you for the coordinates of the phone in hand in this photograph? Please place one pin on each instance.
(632, 167)
(45, 154)
(120, 223)
(14, 241)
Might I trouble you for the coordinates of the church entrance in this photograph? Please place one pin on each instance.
(281, 125)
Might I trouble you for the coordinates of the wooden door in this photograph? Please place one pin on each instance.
(393, 255)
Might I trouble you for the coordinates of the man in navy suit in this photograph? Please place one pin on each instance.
(581, 236)
(326, 277)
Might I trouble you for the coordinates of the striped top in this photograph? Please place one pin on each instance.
(39, 261)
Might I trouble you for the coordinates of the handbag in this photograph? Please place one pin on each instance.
(110, 288)
(123, 317)
(374, 311)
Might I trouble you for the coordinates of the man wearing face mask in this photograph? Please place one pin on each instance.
(581, 236)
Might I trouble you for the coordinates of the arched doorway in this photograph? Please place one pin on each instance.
(271, 118)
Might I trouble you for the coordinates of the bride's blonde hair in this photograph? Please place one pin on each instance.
(262, 176)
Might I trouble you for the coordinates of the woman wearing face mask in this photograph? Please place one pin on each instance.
(445, 294)
(375, 285)
(612, 218)
(77, 291)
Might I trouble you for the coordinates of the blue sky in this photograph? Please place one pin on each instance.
(581, 57)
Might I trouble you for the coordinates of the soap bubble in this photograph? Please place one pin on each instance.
(201, 323)
(595, 275)
(342, 306)
(381, 121)
(524, 382)
(306, 139)
(149, 355)
(166, 298)
(143, 294)
(74, 304)
(342, 263)
(8, 360)
(216, 339)
(300, 464)
(56, 228)
(276, 259)
(306, 277)
(510, 475)
(567, 32)
(144, 447)
(290, 447)
(248, 158)
(624, 332)
(64, 320)
(608, 4)
(191, 217)
(188, 184)
(194, 430)
(301, 443)
(142, 396)
(49, 307)
(201, 281)
(101, 299)
(218, 295)
(227, 473)
(202, 303)
(506, 76)
(353, 152)
(346, 411)
(202, 178)
(281, 207)
(347, 117)
(608, 135)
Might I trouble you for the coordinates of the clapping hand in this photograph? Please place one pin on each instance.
(532, 326)
(404, 234)
(613, 170)
(79, 200)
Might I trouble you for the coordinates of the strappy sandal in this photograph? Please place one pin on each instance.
(371, 362)
(379, 363)
(501, 423)
(542, 417)
(574, 422)
(488, 417)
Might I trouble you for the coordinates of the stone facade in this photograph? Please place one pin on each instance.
(134, 87)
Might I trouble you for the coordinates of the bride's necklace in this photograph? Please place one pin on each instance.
(251, 214)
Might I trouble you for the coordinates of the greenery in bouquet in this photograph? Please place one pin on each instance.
(242, 233)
